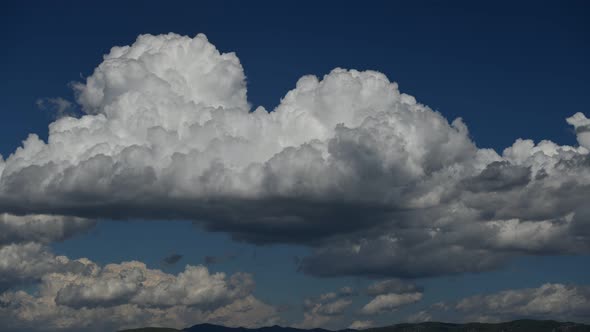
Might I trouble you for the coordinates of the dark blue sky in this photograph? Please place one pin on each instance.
(509, 69)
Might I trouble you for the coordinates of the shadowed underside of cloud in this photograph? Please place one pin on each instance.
(377, 183)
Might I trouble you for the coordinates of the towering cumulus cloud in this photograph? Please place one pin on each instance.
(346, 164)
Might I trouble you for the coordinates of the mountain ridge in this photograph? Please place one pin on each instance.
(522, 325)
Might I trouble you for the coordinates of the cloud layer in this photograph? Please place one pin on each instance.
(389, 295)
(564, 302)
(85, 296)
(377, 183)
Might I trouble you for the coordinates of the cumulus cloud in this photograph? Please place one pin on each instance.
(390, 302)
(86, 296)
(24, 263)
(582, 126)
(558, 301)
(389, 295)
(326, 309)
(563, 302)
(377, 183)
(419, 317)
(361, 324)
(24, 255)
(40, 228)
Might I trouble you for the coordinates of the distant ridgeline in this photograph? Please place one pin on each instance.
(514, 326)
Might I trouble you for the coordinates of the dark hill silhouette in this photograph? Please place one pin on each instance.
(524, 325)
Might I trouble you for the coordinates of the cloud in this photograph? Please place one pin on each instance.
(392, 286)
(390, 302)
(24, 255)
(419, 317)
(326, 309)
(172, 259)
(389, 295)
(361, 324)
(26, 263)
(375, 182)
(40, 228)
(212, 260)
(563, 302)
(82, 295)
(557, 301)
(132, 282)
(58, 105)
(582, 126)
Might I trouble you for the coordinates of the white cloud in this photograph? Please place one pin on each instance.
(361, 324)
(326, 309)
(390, 302)
(419, 317)
(58, 105)
(582, 126)
(28, 262)
(85, 296)
(40, 228)
(555, 301)
(378, 183)
(133, 282)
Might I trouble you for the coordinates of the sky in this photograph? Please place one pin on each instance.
(306, 164)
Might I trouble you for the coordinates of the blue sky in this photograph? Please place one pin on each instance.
(509, 70)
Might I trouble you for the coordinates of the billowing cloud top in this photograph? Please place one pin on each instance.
(347, 164)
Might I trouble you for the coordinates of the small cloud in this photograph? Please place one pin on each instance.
(390, 302)
(361, 324)
(172, 259)
(419, 317)
(212, 260)
(59, 106)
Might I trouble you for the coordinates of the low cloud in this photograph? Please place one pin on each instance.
(562, 302)
(389, 295)
(326, 309)
(390, 302)
(40, 228)
(392, 286)
(555, 301)
(361, 324)
(80, 295)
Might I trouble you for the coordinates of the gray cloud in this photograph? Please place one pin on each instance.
(392, 286)
(361, 324)
(212, 260)
(82, 296)
(556, 301)
(172, 259)
(326, 309)
(26, 263)
(390, 302)
(374, 182)
(389, 295)
(499, 176)
(563, 302)
(40, 228)
(59, 106)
